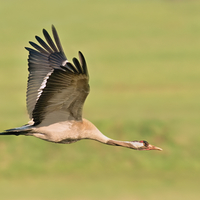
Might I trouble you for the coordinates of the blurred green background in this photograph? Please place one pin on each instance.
(143, 59)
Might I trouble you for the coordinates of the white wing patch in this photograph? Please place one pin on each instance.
(64, 62)
(43, 85)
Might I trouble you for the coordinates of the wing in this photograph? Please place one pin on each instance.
(56, 88)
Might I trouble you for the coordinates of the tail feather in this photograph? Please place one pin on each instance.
(17, 131)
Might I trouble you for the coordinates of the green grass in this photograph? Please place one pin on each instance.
(133, 188)
(143, 59)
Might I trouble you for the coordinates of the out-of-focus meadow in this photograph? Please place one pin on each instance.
(144, 65)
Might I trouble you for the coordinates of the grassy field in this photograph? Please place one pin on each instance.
(143, 59)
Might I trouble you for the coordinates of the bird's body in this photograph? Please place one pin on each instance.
(56, 92)
(67, 132)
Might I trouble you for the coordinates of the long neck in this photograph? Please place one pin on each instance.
(91, 132)
(120, 143)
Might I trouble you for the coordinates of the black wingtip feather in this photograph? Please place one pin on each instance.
(77, 65)
(31, 50)
(83, 63)
(41, 41)
(27, 48)
(71, 67)
(49, 40)
(38, 47)
(56, 38)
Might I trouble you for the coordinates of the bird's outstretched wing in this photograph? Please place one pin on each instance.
(56, 88)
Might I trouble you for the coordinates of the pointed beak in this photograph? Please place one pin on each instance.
(151, 147)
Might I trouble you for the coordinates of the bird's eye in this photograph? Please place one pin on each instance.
(146, 144)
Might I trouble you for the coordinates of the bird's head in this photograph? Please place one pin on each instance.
(143, 145)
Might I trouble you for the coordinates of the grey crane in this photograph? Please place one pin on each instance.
(56, 92)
